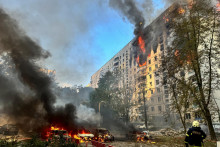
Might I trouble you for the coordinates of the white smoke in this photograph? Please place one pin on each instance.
(85, 114)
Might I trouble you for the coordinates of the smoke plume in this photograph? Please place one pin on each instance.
(35, 109)
(129, 9)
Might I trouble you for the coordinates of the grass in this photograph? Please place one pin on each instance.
(177, 141)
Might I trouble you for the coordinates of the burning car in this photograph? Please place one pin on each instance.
(84, 135)
(59, 134)
(103, 135)
(9, 129)
(143, 136)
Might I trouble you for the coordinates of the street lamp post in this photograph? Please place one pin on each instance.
(100, 112)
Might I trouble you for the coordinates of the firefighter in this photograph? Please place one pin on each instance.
(195, 136)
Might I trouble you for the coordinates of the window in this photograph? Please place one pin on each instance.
(152, 100)
(149, 68)
(166, 92)
(159, 99)
(167, 100)
(152, 91)
(156, 65)
(157, 82)
(155, 58)
(150, 83)
(150, 76)
(156, 74)
(149, 61)
(166, 96)
(197, 115)
(161, 47)
(159, 108)
(158, 90)
(188, 116)
(152, 108)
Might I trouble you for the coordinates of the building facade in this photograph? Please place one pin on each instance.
(145, 81)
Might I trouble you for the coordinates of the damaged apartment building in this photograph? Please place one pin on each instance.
(145, 80)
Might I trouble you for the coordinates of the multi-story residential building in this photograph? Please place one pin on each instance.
(145, 81)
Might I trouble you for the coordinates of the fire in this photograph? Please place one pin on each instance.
(218, 7)
(141, 44)
(181, 11)
(166, 19)
(145, 63)
(56, 128)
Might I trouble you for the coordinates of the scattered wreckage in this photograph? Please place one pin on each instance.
(103, 135)
(81, 136)
(84, 135)
(9, 129)
(59, 135)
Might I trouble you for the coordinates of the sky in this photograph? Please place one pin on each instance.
(81, 35)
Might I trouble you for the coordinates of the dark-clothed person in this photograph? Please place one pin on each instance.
(195, 136)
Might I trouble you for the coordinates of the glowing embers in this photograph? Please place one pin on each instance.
(141, 60)
(181, 11)
(166, 19)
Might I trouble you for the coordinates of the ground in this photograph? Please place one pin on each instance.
(158, 142)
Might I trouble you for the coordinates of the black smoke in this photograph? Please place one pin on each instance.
(34, 109)
(129, 9)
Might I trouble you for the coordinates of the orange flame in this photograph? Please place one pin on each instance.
(166, 19)
(140, 65)
(141, 44)
(181, 11)
(218, 7)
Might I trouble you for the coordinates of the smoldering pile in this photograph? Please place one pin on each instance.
(27, 99)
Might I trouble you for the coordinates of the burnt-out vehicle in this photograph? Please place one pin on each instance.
(143, 136)
(9, 129)
(103, 135)
(59, 135)
(85, 135)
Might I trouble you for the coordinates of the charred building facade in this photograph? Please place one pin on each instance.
(140, 72)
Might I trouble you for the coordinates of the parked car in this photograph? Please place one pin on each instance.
(9, 129)
(103, 135)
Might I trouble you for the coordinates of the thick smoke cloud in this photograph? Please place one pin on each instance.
(129, 9)
(36, 109)
(74, 32)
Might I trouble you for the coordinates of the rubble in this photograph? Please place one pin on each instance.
(167, 132)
